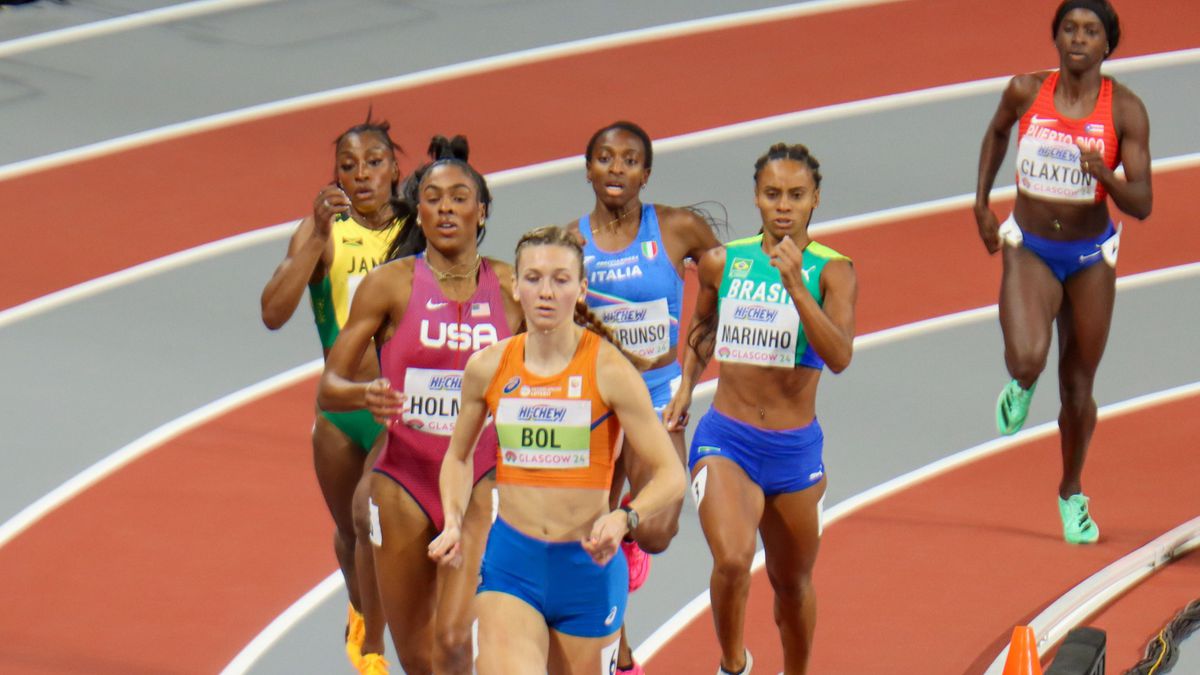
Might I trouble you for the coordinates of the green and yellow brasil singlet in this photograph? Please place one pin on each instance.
(757, 322)
(356, 251)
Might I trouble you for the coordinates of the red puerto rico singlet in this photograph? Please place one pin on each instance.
(425, 358)
(1047, 153)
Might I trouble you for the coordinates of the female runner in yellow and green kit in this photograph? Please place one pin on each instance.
(354, 221)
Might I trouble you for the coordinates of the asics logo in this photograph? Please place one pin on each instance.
(431, 305)
(612, 616)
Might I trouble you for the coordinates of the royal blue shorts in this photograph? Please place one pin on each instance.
(662, 383)
(559, 579)
(1065, 258)
(778, 461)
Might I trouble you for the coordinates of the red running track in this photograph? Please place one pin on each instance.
(242, 523)
(931, 580)
(148, 202)
(133, 589)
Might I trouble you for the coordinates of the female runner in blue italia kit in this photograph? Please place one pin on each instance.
(354, 220)
(776, 308)
(428, 313)
(1059, 244)
(634, 254)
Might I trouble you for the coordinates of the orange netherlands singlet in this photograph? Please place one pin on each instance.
(554, 431)
(1047, 150)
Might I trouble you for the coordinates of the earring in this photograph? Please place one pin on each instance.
(482, 222)
(418, 220)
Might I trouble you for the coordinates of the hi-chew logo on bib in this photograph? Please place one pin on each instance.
(433, 399)
(544, 434)
(642, 328)
(757, 334)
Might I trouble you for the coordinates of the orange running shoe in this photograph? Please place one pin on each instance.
(356, 632)
(373, 664)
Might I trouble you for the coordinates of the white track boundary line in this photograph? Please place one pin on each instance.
(277, 628)
(105, 467)
(443, 73)
(144, 270)
(698, 605)
(116, 24)
(283, 623)
(1084, 600)
(253, 113)
(666, 145)
(281, 231)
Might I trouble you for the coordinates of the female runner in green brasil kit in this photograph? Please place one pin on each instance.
(775, 308)
(354, 220)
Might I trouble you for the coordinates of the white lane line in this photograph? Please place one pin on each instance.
(110, 464)
(1082, 601)
(221, 120)
(283, 623)
(483, 65)
(116, 24)
(281, 231)
(700, 603)
(963, 201)
(147, 269)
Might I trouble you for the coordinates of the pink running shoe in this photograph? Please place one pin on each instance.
(635, 669)
(639, 564)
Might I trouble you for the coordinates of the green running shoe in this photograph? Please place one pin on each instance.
(1078, 526)
(1013, 407)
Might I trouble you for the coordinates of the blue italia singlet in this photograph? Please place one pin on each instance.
(636, 291)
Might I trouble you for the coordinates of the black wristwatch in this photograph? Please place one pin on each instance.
(631, 517)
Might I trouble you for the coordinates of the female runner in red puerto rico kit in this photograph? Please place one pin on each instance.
(1060, 245)
(429, 312)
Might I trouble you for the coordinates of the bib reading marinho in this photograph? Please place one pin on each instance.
(757, 321)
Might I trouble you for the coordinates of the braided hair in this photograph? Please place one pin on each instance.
(553, 235)
(798, 153)
(442, 151)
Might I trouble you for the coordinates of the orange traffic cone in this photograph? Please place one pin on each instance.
(1022, 653)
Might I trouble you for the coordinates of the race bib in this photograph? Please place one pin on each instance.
(544, 433)
(642, 328)
(433, 399)
(1048, 168)
(761, 334)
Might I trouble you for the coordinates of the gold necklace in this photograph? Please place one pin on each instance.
(450, 273)
(615, 221)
